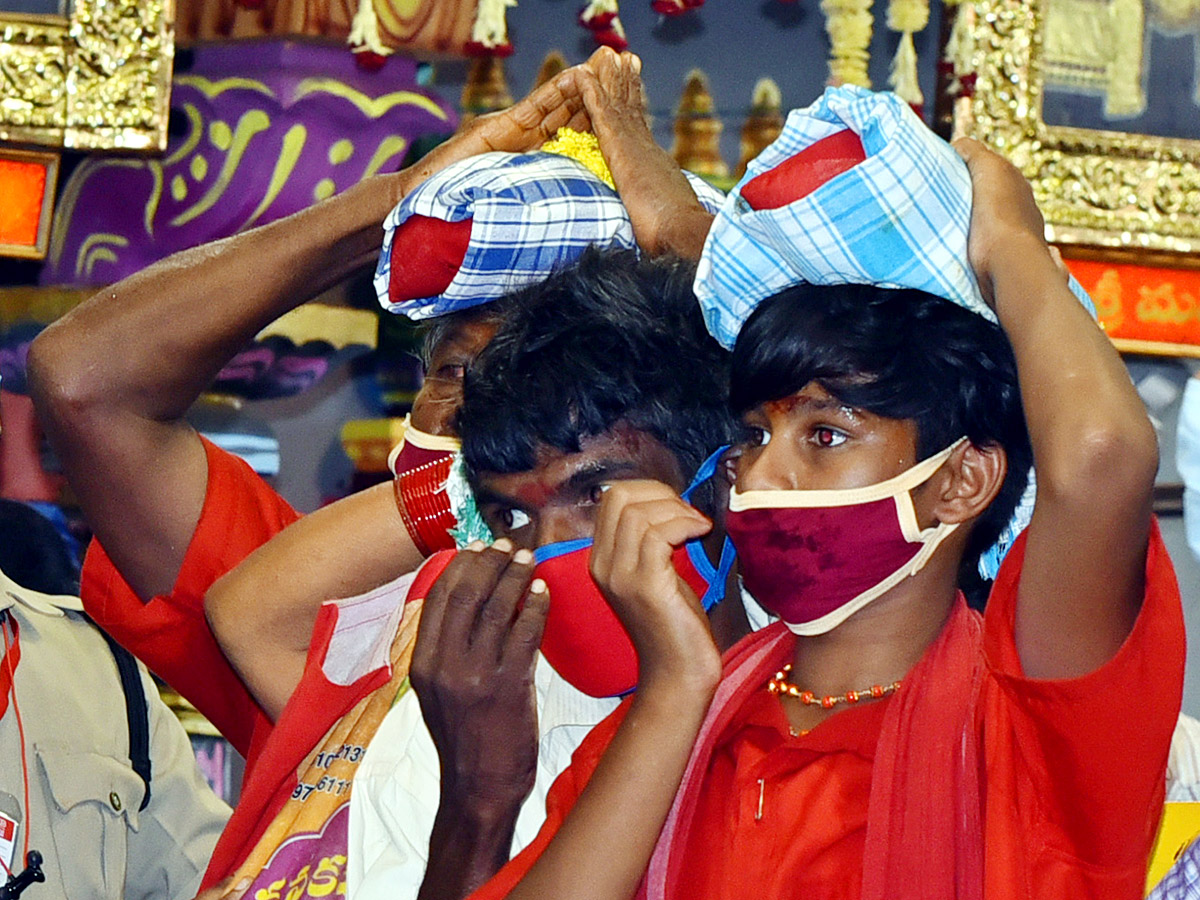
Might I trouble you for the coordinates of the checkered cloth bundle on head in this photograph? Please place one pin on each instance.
(898, 219)
(530, 213)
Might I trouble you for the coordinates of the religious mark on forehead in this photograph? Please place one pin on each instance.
(809, 400)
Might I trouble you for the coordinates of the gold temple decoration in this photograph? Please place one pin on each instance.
(486, 89)
(553, 64)
(697, 145)
(1095, 188)
(98, 80)
(763, 124)
(1098, 48)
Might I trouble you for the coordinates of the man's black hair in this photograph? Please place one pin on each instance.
(902, 354)
(439, 328)
(610, 339)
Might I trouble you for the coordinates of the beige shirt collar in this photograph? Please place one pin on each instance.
(13, 594)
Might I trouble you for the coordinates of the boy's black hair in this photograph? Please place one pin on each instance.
(609, 339)
(902, 354)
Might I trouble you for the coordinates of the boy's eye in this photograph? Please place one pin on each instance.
(828, 437)
(513, 519)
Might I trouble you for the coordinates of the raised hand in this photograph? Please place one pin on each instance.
(1002, 210)
(522, 127)
(472, 670)
(638, 527)
(662, 206)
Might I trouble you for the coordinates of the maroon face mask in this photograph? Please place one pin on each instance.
(814, 558)
(584, 641)
(421, 464)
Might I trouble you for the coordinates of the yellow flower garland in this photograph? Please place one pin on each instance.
(907, 17)
(583, 148)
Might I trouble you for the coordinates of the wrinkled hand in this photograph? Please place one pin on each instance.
(662, 206)
(522, 127)
(472, 669)
(1003, 210)
(638, 527)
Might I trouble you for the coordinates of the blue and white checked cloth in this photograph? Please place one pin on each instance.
(898, 219)
(531, 213)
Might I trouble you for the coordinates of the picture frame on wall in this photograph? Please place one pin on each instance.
(1123, 206)
(95, 78)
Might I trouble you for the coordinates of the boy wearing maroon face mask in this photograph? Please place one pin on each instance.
(883, 740)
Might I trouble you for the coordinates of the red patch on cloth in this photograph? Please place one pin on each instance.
(800, 175)
(426, 255)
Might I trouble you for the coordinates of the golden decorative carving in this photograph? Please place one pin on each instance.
(1095, 188)
(99, 80)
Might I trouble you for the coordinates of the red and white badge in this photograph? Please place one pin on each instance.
(8, 839)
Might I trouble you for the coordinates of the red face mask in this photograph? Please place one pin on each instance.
(584, 641)
(814, 558)
(421, 464)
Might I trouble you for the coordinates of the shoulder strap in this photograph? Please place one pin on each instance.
(136, 713)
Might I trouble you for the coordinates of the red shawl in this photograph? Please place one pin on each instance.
(925, 791)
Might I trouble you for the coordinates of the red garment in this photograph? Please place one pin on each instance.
(169, 634)
(240, 513)
(1071, 786)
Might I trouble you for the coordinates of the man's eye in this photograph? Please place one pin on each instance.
(756, 436)
(513, 519)
(828, 437)
(597, 492)
(451, 371)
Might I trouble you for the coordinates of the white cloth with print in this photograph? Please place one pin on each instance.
(398, 784)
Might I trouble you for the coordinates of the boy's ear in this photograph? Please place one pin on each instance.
(969, 482)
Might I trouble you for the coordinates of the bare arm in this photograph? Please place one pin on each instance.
(1094, 448)
(113, 379)
(605, 844)
(344, 549)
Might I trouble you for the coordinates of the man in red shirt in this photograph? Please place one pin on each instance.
(171, 512)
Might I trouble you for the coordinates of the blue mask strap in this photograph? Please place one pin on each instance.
(716, 577)
(707, 469)
(559, 548)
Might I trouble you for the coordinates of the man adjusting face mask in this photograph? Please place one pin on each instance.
(584, 640)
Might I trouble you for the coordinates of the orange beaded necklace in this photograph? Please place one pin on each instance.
(780, 685)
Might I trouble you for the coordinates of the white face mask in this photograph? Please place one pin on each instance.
(814, 558)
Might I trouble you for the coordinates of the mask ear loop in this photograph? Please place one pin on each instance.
(716, 587)
(718, 576)
(707, 469)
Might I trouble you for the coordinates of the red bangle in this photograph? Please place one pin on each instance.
(424, 505)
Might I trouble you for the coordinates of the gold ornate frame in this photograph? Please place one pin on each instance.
(1102, 189)
(99, 79)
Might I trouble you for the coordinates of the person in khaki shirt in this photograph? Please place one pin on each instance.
(68, 775)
